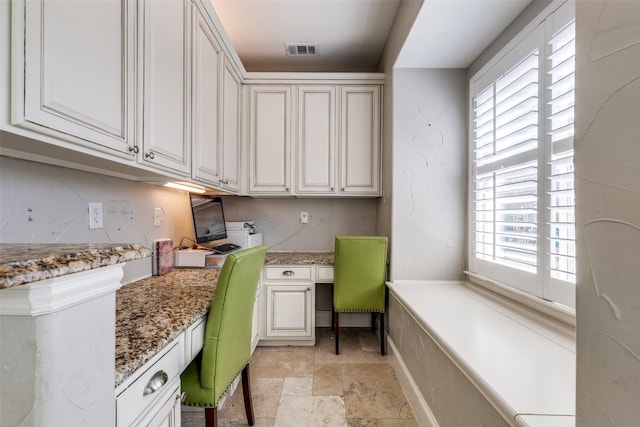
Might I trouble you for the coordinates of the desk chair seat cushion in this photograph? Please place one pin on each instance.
(227, 343)
(360, 273)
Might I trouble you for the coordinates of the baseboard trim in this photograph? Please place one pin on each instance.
(421, 411)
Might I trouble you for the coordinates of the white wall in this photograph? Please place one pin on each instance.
(429, 174)
(40, 203)
(607, 165)
(279, 220)
(57, 199)
(403, 21)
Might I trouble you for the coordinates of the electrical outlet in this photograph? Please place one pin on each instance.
(157, 217)
(304, 217)
(95, 216)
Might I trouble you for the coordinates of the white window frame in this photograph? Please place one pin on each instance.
(539, 284)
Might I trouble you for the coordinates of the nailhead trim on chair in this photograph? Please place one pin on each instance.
(204, 405)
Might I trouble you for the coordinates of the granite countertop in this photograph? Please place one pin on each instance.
(152, 312)
(22, 263)
(299, 258)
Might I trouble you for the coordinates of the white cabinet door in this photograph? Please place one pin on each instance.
(270, 139)
(255, 321)
(360, 140)
(165, 68)
(79, 70)
(231, 88)
(207, 63)
(316, 152)
(289, 310)
(167, 412)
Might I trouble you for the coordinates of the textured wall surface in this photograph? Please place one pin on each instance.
(47, 204)
(607, 165)
(279, 220)
(429, 174)
(452, 398)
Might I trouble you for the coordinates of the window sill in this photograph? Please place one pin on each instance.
(545, 308)
(521, 361)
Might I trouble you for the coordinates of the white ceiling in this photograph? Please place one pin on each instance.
(351, 34)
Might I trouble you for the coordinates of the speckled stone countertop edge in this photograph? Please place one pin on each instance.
(21, 264)
(152, 312)
(299, 258)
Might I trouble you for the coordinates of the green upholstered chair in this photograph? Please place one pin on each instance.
(359, 279)
(227, 344)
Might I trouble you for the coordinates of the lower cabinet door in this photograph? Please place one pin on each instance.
(289, 310)
(166, 412)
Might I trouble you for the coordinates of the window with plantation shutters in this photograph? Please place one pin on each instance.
(521, 158)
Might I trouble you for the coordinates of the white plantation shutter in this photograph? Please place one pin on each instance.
(522, 163)
(561, 224)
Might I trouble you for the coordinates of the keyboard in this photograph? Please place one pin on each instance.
(224, 248)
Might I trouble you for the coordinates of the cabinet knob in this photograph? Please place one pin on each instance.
(156, 382)
(288, 273)
(332, 188)
(150, 155)
(286, 188)
(135, 149)
(309, 288)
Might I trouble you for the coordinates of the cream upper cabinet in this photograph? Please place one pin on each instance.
(231, 113)
(270, 139)
(356, 164)
(165, 81)
(206, 67)
(316, 143)
(360, 127)
(216, 111)
(78, 71)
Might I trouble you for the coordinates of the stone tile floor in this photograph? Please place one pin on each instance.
(312, 386)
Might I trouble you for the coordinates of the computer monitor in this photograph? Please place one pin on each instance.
(208, 218)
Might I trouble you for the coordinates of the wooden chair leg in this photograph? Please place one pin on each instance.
(246, 391)
(333, 313)
(337, 334)
(383, 350)
(211, 417)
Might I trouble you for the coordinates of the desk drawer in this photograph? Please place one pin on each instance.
(288, 273)
(133, 401)
(325, 274)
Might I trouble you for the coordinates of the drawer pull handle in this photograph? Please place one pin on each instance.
(156, 382)
(288, 273)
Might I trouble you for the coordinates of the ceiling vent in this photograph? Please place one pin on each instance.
(301, 49)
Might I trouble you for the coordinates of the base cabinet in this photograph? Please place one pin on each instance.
(290, 310)
(152, 394)
(166, 412)
(289, 305)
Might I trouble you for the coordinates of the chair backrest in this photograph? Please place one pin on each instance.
(227, 342)
(359, 273)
